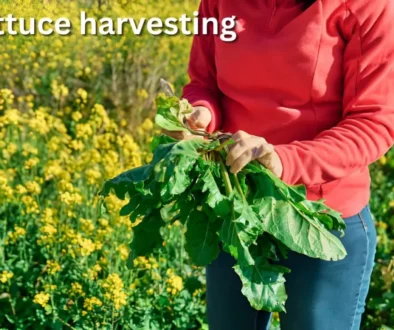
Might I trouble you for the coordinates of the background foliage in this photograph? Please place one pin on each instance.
(73, 112)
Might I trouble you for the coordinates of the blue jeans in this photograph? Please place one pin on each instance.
(323, 295)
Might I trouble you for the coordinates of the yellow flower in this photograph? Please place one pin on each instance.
(86, 225)
(31, 205)
(16, 234)
(94, 156)
(12, 148)
(21, 190)
(76, 145)
(52, 267)
(124, 251)
(123, 122)
(142, 94)
(141, 262)
(6, 96)
(87, 246)
(33, 187)
(49, 287)
(11, 117)
(153, 262)
(82, 93)
(99, 115)
(41, 298)
(5, 276)
(383, 160)
(59, 91)
(76, 289)
(53, 170)
(39, 121)
(175, 284)
(113, 286)
(70, 198)
(76, 116)
(30, 163)
(84, 131)
(93, 176)
(65, 185)
(147, 125)
(47, 234)
(197, 292)
(49, 215)
(92, 302)
(103, 222)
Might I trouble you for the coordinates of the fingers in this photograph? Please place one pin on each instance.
(240, 162)
(248, 145)
(272, 162)
(240, 135)
(262, 150)
(237, 150)
(245, 149)
(199, 118)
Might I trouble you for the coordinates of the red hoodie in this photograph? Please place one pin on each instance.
(316, 83)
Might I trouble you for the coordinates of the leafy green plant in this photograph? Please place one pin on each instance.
(253, 215)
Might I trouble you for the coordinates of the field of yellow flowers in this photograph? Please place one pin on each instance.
(75, 111)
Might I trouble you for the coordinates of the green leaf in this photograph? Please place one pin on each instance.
(202, 241)
(271, 185)
(161, 153)
(297, 230)
(181, 179)
(298, 193)
(250, 226)
(263, 284)
(169, 213)
(190, 148)
(161, 139)
(331, 219)
(122, 182)
(146, 235)
(267, 246)
(215, 196)
(239, 231)
(167, 113)
(233, 244)
(181, 207)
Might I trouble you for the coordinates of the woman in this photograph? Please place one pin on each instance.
(308, 90)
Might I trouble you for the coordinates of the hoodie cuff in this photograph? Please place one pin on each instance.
(284, 153)
(216, 120)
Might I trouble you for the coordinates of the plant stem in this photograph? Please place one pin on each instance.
(223, 145)
(12, 305)
(225, 175)
(65, 323)
(238, 187)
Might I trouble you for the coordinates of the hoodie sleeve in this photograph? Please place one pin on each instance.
(202, 90)
(366, 131)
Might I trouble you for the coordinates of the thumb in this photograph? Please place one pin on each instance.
(199, 118)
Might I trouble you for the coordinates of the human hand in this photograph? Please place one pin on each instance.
(199, 119)
(249, 147)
